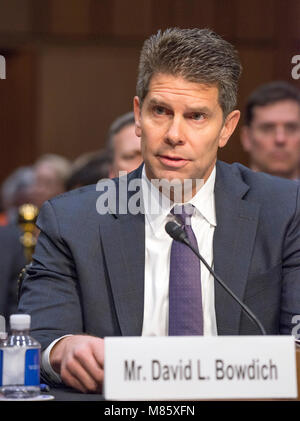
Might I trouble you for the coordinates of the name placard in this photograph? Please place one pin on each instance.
(194, 368)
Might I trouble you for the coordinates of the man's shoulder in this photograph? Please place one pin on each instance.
(76, 195)
(262, 183)
(86, 197)
(9, 236)
(74, 205)
(9, 231)
(76, 198)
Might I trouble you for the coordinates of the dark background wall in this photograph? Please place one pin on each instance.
(72, 64)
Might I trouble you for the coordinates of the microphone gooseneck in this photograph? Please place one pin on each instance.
(178, 234)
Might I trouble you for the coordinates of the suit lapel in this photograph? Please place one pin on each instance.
(123, 240)
(233, 243)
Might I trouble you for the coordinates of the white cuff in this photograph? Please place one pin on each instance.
(45, 363)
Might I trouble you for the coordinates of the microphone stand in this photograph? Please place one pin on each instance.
(178, 234)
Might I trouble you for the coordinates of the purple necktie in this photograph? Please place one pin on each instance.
(185, 298)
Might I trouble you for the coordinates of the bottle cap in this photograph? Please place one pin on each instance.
(20, 321)
(2, 324)
(3, 335)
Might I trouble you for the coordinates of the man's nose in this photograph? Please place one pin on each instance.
(175, 132)
(280, 135)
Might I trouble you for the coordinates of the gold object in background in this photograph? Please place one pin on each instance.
(26, 219)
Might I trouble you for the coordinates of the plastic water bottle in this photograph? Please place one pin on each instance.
(3, 345)
(20, 361)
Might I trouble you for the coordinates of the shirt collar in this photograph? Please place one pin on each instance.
(157, 206)
(204, 200)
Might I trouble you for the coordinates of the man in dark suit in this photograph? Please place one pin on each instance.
(102, 262)
(123, 145)
(12, 261)
(271, 130)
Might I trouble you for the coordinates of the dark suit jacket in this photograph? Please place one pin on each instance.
(12, 261)
(88, 269)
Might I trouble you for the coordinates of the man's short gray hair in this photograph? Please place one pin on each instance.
(16, 186)
(60, 165)
(197, 55)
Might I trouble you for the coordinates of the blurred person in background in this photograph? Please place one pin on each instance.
(123, 145)
(89, 169)
(12, 261)
(26, 187)
(17, 189)
(51, 173)
(271, 133)
(3, 219)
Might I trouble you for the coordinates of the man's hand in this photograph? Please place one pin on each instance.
(79, 360)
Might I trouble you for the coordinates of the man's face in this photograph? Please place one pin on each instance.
(48, 183)
(127, 150)
(273, 138)
(181, 128)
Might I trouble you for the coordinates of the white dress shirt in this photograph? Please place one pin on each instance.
(157, 261)
(157, 256)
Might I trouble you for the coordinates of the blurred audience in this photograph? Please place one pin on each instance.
(123, 145)
(271, 133)
(122, 153)
(89, 169)
(12, 260)
(51, 173)
(22, 194)
(17, 189)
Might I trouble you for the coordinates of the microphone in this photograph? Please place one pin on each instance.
(178, 234)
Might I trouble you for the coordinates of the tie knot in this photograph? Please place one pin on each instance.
(183, 213)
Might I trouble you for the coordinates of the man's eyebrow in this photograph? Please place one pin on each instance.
(189, 109)
(267, 123)
(199, 109)
(157, 101)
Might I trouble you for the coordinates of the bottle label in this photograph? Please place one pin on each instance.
(21, 366)
(32, 367)
(1, 366)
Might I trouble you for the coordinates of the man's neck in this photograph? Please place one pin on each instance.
(290, 175)
(179, 191)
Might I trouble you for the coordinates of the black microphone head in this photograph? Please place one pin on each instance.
(176, 231)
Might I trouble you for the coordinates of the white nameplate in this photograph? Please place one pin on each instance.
(194, 368)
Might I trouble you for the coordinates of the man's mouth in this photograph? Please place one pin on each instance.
(280, 155)
(172, 161)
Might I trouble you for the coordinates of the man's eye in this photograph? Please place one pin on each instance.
(292, 128)
(159, 110)
(197, 116)
(266, 128)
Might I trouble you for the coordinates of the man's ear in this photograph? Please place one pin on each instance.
(228, 128)
(137, 116)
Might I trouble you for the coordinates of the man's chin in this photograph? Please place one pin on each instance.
(171, 178)
(179, 189)
(160, 174)
(279, 171)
